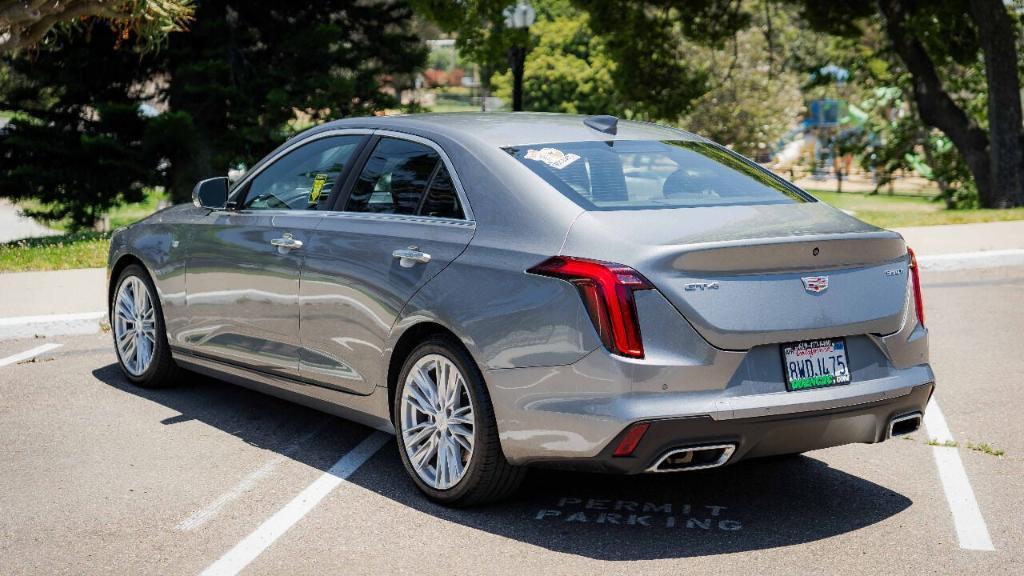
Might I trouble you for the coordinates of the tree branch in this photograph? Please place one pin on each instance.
(934, 104)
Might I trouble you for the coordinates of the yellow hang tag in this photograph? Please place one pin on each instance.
(318, 184)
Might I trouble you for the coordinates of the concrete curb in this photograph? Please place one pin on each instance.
(51, 325)
(972, 260)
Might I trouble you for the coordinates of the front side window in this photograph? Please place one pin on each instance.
(403, 177)
(303, 179)
(644, 175)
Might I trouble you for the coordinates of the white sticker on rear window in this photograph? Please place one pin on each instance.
(552, 157)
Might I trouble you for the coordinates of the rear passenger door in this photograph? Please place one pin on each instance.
(403, 219)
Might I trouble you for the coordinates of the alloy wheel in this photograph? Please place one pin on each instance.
(134, 325)
(437, 421)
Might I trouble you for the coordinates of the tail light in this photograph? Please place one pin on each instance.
(607, 293)
(915, 277)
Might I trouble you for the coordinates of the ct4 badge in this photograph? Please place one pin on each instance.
(815, 284)
(702, 286)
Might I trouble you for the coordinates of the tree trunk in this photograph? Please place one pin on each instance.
(936, 107)
(1005, 125)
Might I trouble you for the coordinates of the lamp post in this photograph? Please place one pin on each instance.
(518, 17)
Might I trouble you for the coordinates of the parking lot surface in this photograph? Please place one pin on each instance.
(99, 476)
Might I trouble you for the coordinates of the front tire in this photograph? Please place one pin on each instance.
(140, 339)
(447, 435)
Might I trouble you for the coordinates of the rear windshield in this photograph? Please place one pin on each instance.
(643, 175)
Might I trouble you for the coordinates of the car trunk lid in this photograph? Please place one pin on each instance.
(751, 275)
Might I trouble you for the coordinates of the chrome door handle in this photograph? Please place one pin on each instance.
(286, 243)
(407, 258)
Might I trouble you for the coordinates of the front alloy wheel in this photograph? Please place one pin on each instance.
(134, 325)
(137, 322)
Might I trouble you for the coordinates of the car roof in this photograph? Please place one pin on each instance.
(503, 129)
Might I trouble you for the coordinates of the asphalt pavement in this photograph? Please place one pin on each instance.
(100, 476)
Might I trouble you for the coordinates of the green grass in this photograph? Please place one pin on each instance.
(947, 443)
(68, 251)
(81, 250)
(985, 448)
(896, 211)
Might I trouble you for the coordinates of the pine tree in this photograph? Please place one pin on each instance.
(252, 72)
(76, 143)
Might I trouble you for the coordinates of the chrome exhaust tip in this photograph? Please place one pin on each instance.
(903, 425)
(693, 458)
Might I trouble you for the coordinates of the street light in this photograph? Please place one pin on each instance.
(518, 17)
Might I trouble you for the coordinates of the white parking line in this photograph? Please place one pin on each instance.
(970, 524)
(209, 512)
(274, 527)
(28, 354)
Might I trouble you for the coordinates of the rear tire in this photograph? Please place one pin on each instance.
(432, 415)
(140, 338)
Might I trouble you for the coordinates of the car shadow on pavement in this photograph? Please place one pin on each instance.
(753, 505)
(758, 504)
(300, 433)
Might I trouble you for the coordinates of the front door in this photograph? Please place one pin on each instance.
(402, 223)
(242, 276)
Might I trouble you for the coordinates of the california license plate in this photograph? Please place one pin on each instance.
(815, 364)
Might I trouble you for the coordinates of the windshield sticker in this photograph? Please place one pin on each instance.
(318, 185)
(552, 157)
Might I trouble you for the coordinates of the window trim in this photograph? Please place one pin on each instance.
(467, 210)
(347, 178)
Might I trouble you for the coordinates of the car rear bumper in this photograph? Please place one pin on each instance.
(576, 415)
(754, 437)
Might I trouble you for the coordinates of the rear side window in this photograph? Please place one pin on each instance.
(643, 175)
(442, 200)
(403, 177)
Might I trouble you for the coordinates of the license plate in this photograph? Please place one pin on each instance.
(815, 364)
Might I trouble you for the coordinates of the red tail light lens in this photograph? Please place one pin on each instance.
(915, 277)
(607, 292)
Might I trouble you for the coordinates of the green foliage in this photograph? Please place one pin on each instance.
(658, 76)
(567, 70)
(752, 100)
(248, 69)
(146, 22)
(480, 28)
(77, 142)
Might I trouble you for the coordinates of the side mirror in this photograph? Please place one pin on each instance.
(211, 193)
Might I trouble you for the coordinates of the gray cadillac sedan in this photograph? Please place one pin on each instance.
(513, 290)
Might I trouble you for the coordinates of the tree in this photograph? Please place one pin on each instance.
(252, 72)
(996, 156)
(247, 76)
(23, 23)
(479, 26)
(77, 142)
(929, 37)
(567, 69)
(652, 41)
(751, 99)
